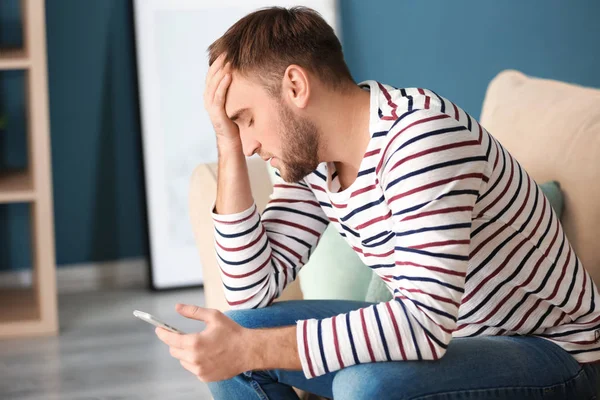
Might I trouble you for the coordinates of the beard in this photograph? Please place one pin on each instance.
(300, 145)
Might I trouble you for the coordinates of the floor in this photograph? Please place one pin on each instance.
(103, 352)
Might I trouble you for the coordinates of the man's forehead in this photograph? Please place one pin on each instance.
(238, 96)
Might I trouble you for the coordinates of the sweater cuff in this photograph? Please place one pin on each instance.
(229, 221)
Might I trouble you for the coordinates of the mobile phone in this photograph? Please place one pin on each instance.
(155, 321)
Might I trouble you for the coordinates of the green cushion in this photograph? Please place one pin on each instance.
(552, 191)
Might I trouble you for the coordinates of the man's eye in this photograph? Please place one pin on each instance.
(251, 122)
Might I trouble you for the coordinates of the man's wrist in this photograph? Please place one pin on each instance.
(273, 348)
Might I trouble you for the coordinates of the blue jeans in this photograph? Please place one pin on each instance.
(488, 367)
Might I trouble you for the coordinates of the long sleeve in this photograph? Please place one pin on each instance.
(431, 172)
(259, 255)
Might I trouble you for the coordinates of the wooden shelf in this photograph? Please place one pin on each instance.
(16, 187)
(14, 59)
(20, 314)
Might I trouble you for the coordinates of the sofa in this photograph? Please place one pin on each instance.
(553, 130)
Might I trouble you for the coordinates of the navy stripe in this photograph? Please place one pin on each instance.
(448, 194)
(539, 289)
(324, 204)
(390, 236)
(320, 337)
(363, 208)
(320, 175)
(356, 360)
(431, 254)
(433, 167)
(571, 332)
(443, 107)
(234, 235)
(382, 266)
(381, 334)
(247, 260)
(427, 332)
(379, 134)
(235, 289)
(412, 332)
(366, 172)
(583, 351)
(291, 264)
(435, 228)
(424, 136)
(434, 310)
(302, 242)
(295, 211)
(421, 279)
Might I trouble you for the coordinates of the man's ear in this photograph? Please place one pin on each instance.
(296, 85)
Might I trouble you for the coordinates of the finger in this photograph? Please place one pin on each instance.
(196, 312)
(170, 338)
(212, 85)
(194, 369)
(215, 67)
(181, 355)
(221, 92)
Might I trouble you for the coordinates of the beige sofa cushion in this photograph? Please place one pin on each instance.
(553, 130)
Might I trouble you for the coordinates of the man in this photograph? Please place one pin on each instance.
(490, 299)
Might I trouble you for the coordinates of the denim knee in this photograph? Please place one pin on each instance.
(359, 382)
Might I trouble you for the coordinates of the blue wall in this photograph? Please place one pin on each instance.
(456, 47)
(97, 173)
(452, 47)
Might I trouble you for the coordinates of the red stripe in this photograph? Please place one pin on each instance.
(371, 153)
(421, 91)
(237, 302)
(389, 100)
(273, 241)
(308, 360)
(501, 195)
(338, 205)
(336, 343)
(359, 250)
(247, 273)
(281, 200)
(292, 224)
(434, 184)
(435, 296)
(432, 347)
(581, 293)
(427, 100)
(456, 116)
(284, 186)
(421, 121)
(442, 327)
(441, 243)
(447, 210)
(432, 268)
(317, 187)
(237, 221)
(495, 272)
(364, 326)
(363, 190)
(374, 220)
(395, 323)
(434, 150)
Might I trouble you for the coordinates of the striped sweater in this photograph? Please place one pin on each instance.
(462, 236)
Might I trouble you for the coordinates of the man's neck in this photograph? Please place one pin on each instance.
(344, 126)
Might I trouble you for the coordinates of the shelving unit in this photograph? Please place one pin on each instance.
(32, 311)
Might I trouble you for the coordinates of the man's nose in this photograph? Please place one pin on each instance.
(250, 146)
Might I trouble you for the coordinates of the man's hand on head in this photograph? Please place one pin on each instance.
(217, 83)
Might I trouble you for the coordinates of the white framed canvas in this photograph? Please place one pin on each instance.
(172, 37)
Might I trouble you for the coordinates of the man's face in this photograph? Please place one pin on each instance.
(270, 127)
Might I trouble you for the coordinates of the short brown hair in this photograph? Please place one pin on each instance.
(267, 41)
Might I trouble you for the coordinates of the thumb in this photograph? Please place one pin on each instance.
(194, 312)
